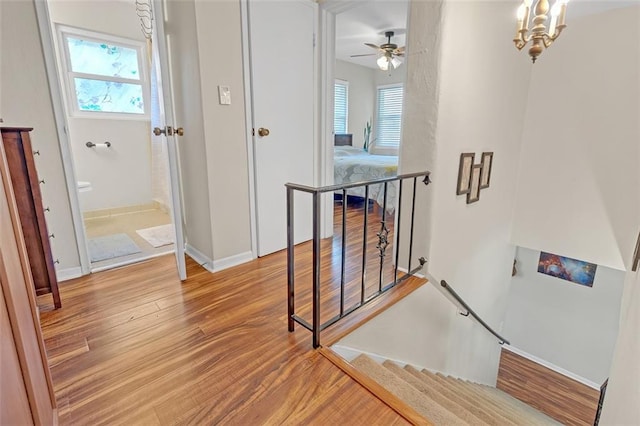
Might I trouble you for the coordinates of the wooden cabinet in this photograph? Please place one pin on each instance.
(26, 391)
(26, 187)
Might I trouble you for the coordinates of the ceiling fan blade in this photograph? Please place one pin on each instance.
(366, 54)
(372, 45)
(399, 50)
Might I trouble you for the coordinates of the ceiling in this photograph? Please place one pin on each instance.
(369, 20)
(367, 23)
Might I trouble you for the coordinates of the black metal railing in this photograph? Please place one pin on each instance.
(469, 311)
(315, 326)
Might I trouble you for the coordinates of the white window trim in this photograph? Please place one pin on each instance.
(388, 148)
(346, 115)
(68, 76)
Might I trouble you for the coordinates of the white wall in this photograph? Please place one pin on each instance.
(224, 127)
(120, 176)
(483, 93)
(25, 101)
(579, 164)
(480, 90)
(567, 324)
(361, 97)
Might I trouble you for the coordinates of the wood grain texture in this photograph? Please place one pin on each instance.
(556, 395)
(135, 345)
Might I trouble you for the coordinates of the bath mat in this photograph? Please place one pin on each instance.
(110, 246)
(158, 236)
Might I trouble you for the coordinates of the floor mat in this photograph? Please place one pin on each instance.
(158, 236)
(110, 246)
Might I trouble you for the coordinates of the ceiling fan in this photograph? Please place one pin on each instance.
(389, 53)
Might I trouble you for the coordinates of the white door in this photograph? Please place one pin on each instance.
(283, 62)
(167, 124)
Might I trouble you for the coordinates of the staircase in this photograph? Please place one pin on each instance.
(449, 401)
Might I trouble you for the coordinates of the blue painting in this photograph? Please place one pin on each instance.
(565, 268)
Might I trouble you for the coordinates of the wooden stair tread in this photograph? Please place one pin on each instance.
(465, 398)
(435, 413)
(444, 399)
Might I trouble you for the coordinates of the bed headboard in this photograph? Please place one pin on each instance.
(342, 140)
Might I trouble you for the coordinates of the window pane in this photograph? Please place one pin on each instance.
(109, 96)
(389, 116)
(340, 108)
(109, 60)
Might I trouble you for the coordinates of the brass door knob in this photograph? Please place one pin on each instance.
(263, 132)
(158, 131)
(179, 131)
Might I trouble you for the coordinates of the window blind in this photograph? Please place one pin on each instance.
(389, 112)
(341, 105)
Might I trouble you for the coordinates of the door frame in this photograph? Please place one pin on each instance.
(60, 115)
(323, 166)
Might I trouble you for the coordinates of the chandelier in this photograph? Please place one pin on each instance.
(541, 35)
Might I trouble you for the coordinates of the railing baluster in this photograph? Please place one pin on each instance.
(344, 250)
(364, 243)
(397, 232)
(382, 236)
(290, 264)
(316, 269)
(413, 216)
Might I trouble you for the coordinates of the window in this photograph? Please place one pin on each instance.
(341, 107)
(104, 74)
(389, 113)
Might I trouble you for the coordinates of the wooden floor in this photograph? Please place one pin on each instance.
(137, 346)
(559, 397)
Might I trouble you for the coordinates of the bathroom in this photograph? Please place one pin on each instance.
(110, 101)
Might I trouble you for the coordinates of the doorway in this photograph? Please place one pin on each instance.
(110, 98)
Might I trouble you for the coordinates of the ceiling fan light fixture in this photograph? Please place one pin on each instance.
(396, 62)
(383, 63)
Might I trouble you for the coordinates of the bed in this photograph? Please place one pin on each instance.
(352, 165)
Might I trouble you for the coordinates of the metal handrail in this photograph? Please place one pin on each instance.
(471, 312)
(315, 326)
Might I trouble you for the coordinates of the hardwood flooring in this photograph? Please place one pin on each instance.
(564, 399)
(137, 346)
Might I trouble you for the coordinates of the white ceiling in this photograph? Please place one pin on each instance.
(367, 23)
(369, 20)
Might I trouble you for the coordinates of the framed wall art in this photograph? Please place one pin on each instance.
(464, 173)
(485, 176)
(474, 188)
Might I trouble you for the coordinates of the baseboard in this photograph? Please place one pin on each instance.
(551, 366)
(220, 264)
(68, 274)
(228, 262)
(199, 257)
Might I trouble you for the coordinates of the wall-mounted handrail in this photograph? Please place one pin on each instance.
(471, 312)
(384, 240)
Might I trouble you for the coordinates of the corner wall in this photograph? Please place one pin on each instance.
(466, 94)
(569, 325)
(26, 101)
(579, 174)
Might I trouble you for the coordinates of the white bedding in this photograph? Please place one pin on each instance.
(352, 165)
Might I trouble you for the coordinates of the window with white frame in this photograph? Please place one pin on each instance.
(389, 115)
(106, 75)
(341, 107)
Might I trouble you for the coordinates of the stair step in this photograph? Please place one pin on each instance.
(412, 396)
(513, 413)
(466, 399)
(543, 418)
(449, 402)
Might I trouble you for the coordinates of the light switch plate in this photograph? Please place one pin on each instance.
(224, 94)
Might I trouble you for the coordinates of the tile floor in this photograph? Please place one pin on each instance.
(128, 223)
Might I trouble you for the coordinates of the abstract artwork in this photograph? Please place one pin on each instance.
(565, 268)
